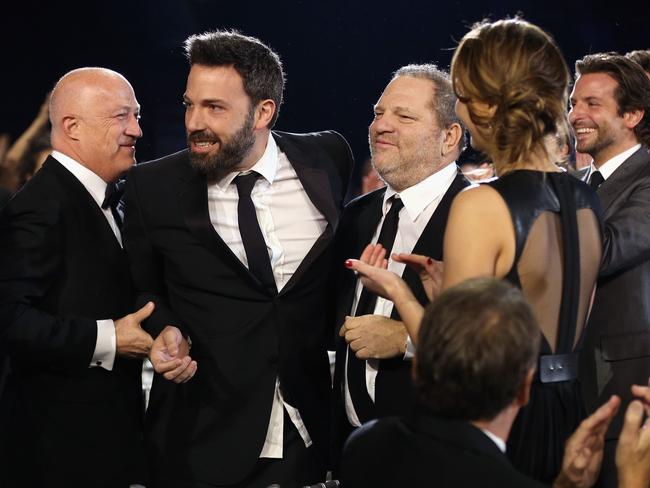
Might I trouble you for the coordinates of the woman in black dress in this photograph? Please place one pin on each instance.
(535, 226)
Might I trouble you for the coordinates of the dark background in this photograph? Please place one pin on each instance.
(338, 55)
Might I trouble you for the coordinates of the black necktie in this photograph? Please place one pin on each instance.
(249, 228)
(596, 179)
(113, 200)
(362, 402)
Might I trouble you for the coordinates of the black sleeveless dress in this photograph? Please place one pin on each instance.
(536, 441)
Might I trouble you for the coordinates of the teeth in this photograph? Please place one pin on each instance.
(585, 130)
(203, 144)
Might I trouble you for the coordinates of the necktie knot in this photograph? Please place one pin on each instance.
(596, 179)
(113, 194)
(246, 182)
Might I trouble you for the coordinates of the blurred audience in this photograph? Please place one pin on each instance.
(26, 155)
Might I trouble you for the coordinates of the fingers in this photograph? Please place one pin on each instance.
(631, 424)
(177, 370)
(642, 393)
(144, 312)
(598, 422)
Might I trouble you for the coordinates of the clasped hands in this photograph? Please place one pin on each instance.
(168, 353)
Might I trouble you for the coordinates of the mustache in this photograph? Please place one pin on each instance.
(204, 135)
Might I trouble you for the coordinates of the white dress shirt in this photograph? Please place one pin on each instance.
(420, 202)
(501, 444)
(607, 168)
(290, 224)
(105, 346)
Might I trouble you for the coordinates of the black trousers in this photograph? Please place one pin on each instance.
(300, 466)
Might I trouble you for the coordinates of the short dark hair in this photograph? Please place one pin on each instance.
(633, 86)
(640, 57)
(477, 343)
(259, 67)
(443, 102)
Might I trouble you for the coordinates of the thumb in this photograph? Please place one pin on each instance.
(631, 423)
(144, 312)
(172, 338)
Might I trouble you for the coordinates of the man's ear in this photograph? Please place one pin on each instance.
(264, 114)
(71, 127)
(452, 136)
(632, 118)
(523, 396)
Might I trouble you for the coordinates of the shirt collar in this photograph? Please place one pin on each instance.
(93, 183)
(496, 439)
(267, 166)
(607, 168)
(417, 197)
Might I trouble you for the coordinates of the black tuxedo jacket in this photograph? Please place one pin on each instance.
(424, 450)
(393, 391)
(61, 269)
(212, 428)
(616, 352)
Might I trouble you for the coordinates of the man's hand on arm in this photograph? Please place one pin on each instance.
(170, 356)
(633, 450)
(583, 451)
(374, 336)
(130, 339)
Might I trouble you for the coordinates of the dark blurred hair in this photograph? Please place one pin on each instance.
(259, 67)
(633, 86)
(518, 68)
(641, 57)
(443, 101)
(478, 340)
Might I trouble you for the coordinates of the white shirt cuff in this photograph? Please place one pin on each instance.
(410, 350)
(104, 355)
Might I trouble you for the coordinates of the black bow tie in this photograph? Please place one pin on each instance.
(114, 192)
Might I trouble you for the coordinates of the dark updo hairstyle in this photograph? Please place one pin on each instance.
(518, 68)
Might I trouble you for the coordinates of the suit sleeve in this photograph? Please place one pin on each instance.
(626, 240)
(31, 263)
(145, 262)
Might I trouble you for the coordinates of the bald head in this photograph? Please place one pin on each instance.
(94, 117)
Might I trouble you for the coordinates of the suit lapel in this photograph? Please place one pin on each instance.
(96, 218)
(315, 180)
(319, 188)
(193, 197)
(615, 185)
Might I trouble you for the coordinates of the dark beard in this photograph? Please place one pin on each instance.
(230, 153)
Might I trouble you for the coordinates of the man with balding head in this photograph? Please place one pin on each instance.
(65, 298)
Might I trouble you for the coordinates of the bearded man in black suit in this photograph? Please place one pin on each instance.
(64, 284)
(232, 241)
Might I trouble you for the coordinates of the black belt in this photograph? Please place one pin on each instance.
(553, 368)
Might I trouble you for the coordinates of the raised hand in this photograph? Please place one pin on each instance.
(170, 356)
(371, 266)
(633, 450)
(583, 453)
(429, 270)
(130, 339)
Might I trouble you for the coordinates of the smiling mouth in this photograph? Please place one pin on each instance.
(585, 130)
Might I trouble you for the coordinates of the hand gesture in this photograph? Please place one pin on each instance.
(170, 356)
(371, 267)
(583, 452)
(633, 450)
(130, 339)
(429, 270)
